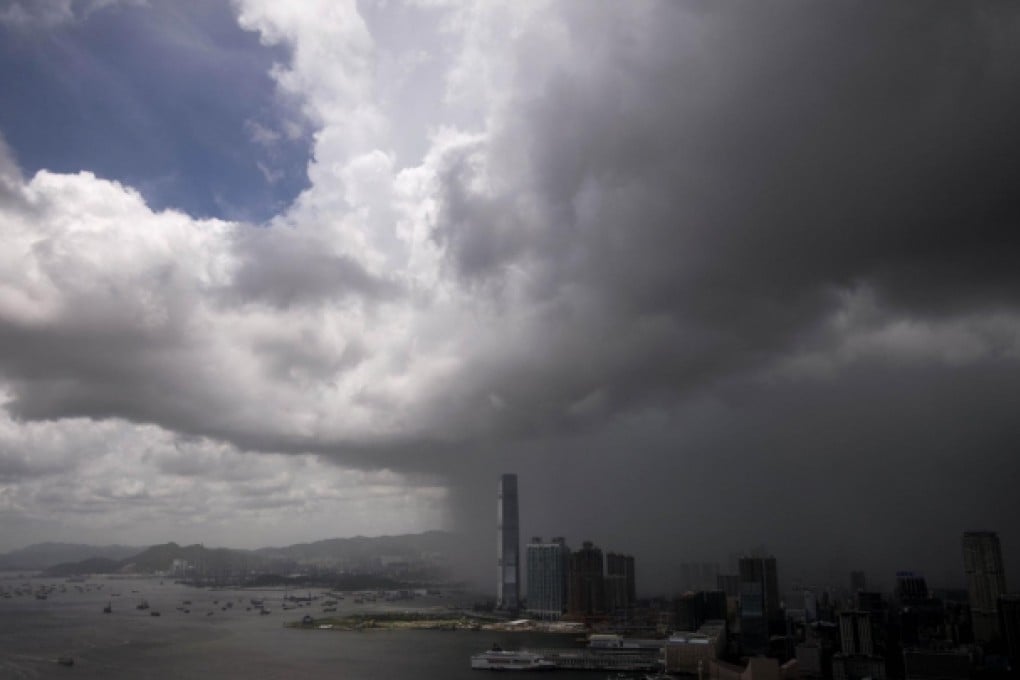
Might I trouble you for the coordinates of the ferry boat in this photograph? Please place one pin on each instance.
(498, 660)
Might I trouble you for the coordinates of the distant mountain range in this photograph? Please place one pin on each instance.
(363, 548)
(359, 554)
(46, 555)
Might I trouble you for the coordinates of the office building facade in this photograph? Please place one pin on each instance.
(759, 602)
(855, 633)
(619, 582)
(548, 572)
(911, 588)
(586, 595)
(508, 545)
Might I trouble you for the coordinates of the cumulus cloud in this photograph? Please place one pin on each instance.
(148, 484)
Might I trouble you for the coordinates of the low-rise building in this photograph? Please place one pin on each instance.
(809, 658)
(757, 668)
(858, 667)
(685, 650)
(926, 664)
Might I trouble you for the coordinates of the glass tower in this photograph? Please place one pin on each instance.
(508, 570)
(548, 565)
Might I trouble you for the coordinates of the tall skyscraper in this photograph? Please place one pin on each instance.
(729, 584)
(986, 582)
(548, 569)
(587, 586)
(759, 602)
(508, 546)
(619, 582)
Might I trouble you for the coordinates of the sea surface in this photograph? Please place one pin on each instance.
(210, 642)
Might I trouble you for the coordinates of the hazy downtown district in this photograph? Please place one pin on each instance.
(289, 291)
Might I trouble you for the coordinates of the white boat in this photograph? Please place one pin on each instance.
(498, 660)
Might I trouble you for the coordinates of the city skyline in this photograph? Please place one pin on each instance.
(705, 276)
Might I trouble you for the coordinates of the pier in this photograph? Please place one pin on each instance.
(602, 660)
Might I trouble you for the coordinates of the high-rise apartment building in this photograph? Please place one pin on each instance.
(911, 588)
(548, 570)
(619, 582)
(855, 633)
(729, 584)
(759, 602)
(508, 545)
(692, 610)
(587, 584)
(986, 582)
(858, 657)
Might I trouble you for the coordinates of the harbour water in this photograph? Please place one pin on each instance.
(214, 640)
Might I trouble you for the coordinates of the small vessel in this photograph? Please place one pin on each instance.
(65, 661)
(497, 659)
(108, 608)
(154, 613)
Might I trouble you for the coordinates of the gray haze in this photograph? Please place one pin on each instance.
(705, 275)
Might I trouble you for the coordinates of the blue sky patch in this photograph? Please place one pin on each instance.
(173, 99)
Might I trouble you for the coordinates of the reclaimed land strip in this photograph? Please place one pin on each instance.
(387, 621)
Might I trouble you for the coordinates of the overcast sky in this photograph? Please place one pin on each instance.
(707, 276)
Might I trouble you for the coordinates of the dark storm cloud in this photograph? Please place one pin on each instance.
(712, 177)
(882, 471)
(137, 387)
(706, 192)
